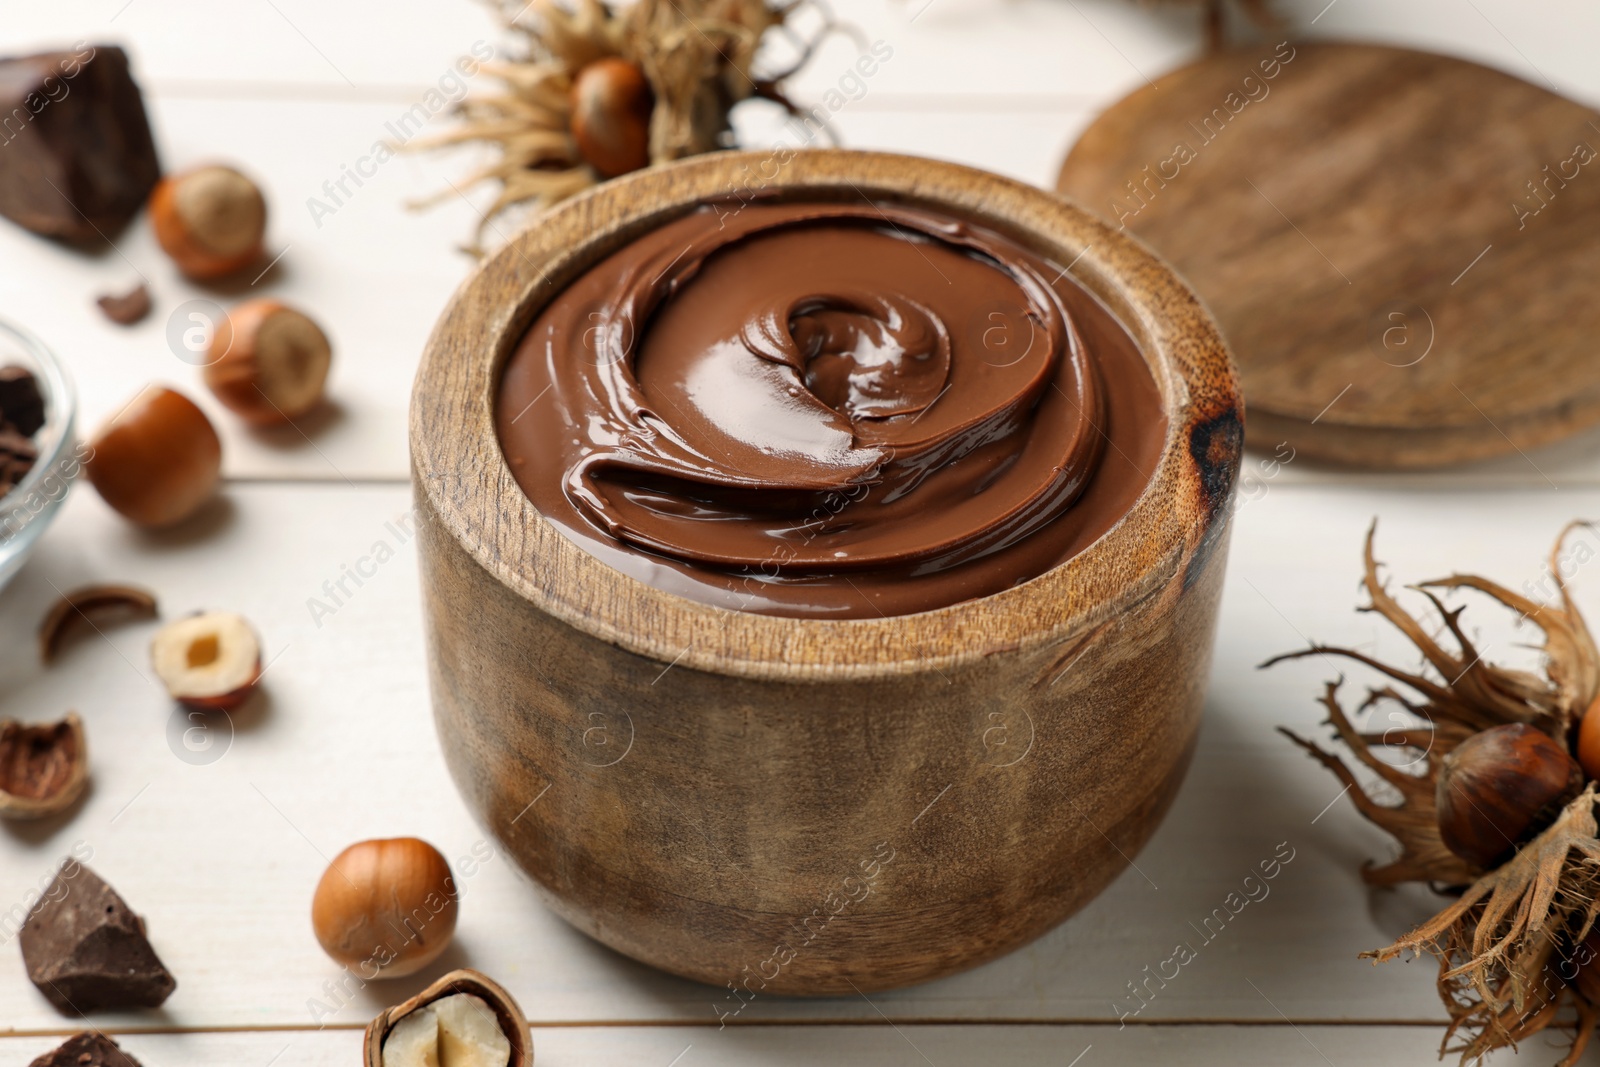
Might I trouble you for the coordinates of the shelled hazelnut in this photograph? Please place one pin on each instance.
(268, 363)
(211, 220)
(211, 660)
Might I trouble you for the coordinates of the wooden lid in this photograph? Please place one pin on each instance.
(1401, 248)
(459, 468)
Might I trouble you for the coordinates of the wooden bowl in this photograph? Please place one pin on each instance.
(505, 1009)
(799, 806)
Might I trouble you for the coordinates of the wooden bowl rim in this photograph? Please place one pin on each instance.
(470, 490)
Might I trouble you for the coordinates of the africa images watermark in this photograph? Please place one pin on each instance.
(1143, 990)
(338, 591)
(1152, 178)
(448, 90)
(53, 89)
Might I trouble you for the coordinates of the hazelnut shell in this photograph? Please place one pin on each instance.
(269, 362)
(463, 981)
(611, 106)
(158, 460)
(61, 774)
(211, 220)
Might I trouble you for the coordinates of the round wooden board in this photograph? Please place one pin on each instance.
(1402, 248)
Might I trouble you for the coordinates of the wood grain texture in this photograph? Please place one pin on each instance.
(805, 753)
(907, 1045)
(1400, 247)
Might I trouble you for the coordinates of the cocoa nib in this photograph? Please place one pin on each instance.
(88, 1049)
(77, 161)
(86, 951)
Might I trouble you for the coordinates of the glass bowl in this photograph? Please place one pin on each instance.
(27, 509)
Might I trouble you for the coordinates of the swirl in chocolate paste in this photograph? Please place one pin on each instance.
(835, 409)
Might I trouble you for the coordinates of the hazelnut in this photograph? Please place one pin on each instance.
(43, 768)
(611, 106)
(1589, 740)
(210, 220)
(210, 661)
(268, 362)
(1499, 788)
(387, 908)
(462, 1020)
(157, 460)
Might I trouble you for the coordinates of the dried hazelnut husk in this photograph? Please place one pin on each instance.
(611, 106)
(1499, 788)
(211, 660)
(211, 220)
(43, 767)
(1587, 978)
(158, 460)
(500, 1004)
(77, 605)
(268, 363)
(386, 908)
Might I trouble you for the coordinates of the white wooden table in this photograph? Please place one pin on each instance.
(220, 849)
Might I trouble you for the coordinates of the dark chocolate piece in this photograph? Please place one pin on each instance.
(88, 1049)
(76, 157)
(21, 403)
(86, 951)
(127, 309)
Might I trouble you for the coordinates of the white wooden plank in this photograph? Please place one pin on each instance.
(1095, 48)
(222, 858)
(861, 1046)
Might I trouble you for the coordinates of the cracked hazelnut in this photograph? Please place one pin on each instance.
(43, 768)
(210, 661)
(157, 460)
(268, 362)
(387, 908)
(210, 220)
(462, 1020)
(611, 106)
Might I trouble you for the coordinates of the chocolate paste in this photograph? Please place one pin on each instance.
(842, 410)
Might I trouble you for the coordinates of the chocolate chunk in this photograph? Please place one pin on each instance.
(86, 951)
(76, 157)
(88, 1049)
(127, 309)
(21, 403)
